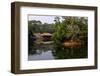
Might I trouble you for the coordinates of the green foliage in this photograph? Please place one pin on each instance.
(64, 28)
(60, 33)
(70, 28)
(39, 27)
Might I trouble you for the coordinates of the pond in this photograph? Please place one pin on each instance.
(50, 52)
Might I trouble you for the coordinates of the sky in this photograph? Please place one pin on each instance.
(43, 19)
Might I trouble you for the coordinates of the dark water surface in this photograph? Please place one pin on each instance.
(49, 52)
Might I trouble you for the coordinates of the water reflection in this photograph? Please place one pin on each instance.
(51, 52)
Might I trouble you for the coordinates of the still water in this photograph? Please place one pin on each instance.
(49, 52)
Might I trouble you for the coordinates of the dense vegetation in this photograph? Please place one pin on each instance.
(69, 28)
(39, 27)
(64, 29)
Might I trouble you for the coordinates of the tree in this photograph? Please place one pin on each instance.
(60, 33)
(33, 25)
(70, 28)
(76, 26)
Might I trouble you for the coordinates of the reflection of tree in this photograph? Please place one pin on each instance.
(30, 39)
(60, 52)
(69, 53)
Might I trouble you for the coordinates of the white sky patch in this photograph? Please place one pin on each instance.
(44, 19)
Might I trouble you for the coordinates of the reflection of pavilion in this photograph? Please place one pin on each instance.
(38, 48)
